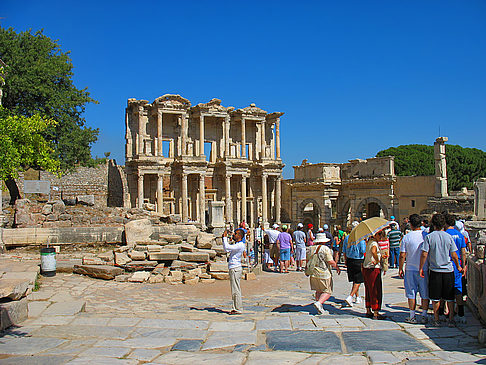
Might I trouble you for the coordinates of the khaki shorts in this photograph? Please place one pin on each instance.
(274, 250)
(322, 285)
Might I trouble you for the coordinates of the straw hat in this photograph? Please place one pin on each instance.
(321, 238)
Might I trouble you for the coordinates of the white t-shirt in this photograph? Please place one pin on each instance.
(412, 244)
(272, 235)
(235, 251)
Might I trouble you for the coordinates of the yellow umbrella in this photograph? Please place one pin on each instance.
(367, 228)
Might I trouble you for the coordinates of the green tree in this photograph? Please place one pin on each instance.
(464, 165)
(22, 144)
(39, 81)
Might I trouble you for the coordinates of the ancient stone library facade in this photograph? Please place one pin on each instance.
(183, 158)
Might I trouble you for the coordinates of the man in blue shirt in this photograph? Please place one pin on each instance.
(354, 257)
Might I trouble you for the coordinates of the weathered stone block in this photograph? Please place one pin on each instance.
(171, 238)
(155, 279)
(172, 280)
(138, 230)
(93, 260)
(58, 207)
(218, 267)
(64, 217)
(154, 248)
(177, 264)
(13, 288)
(205, 240)
(121, 258)
(137, 255)
(189, 275)
(161, 269)
(145, 264)
(207, 281)
(139, 277)
(211, 253)
(165, 254)
(185, 247)
(122, 278)
(47, 209)
(250, 276)
(85, 200)
(220, 275)
(23, 216)
(178, 275)
(13, 312)
(194, 256)
(192, 281)
(98, 271)
(219, 250)
(107, 256)
(204, 275)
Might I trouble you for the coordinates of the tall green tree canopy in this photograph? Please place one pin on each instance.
(22, 144)
(39, 81)
(464, 165)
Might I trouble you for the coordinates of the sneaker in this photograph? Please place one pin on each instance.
(412, 320)
(358, 300)
(349, 300)
(319, 308)
(435, 323)
(451, 323)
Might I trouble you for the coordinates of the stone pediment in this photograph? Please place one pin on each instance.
(172, 101)
(251, 110)
(212, 107)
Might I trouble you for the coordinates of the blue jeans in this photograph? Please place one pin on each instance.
(394, 254)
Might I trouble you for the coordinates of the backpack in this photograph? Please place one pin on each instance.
(312, 262)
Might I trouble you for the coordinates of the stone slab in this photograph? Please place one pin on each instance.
(144, 354)
(28, 345)
(105, 352)
(194, 256)
(98, 360)
(282, 323)
(232, 326)
(189, 334)
(164, 254)
(276, 357)
(30, 276)
(13, 289)
(36, 308)
(80, 332)
(141, 342)
(187, 345)
(387, 340)
(36, 360)
(218, 267)
(98, 271)
(182, 357)
(174, 323)
(65, 308)
(13, 313)
(218, 340)
(306, 341)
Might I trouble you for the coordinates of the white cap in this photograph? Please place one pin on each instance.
(300, 225)
(275, 226)
(321, 238)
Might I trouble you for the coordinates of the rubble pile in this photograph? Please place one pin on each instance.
(170, 253)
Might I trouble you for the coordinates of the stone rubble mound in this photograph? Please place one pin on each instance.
(173, 253)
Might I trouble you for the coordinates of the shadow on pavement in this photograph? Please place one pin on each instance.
(209, 309)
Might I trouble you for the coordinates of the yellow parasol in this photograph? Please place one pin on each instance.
(367, 228)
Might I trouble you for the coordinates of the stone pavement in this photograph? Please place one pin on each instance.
(80, 320)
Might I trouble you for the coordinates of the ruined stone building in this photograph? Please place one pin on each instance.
(338, 193)
(181, 157)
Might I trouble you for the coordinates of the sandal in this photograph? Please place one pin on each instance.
(379, 317)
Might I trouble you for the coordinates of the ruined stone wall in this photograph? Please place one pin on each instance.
(371, 167)
(413, 193)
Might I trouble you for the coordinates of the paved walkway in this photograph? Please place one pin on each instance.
(79, 320)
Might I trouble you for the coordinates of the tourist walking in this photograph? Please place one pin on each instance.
(372, 278)
(285, 245)
(235, 251)
(394, 237)
(299, 239)
(320, 257)
(354, 257)
(438, 249)
(460, 243)
(410, 252)
(384, 245)
(273, 247)
(310, 235)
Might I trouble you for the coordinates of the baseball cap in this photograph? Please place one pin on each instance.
(300, 225)
(392, 217)
(275, 226)
(326, 226)
(284, 226)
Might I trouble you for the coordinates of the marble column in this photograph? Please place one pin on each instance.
(278, 197)
(227, 137)
(140, 190)
(263, 141)
(243, 198)
(184, 197)
(160, 193)
(229, 213)
(202, 201)
(277, 137)
(264, 200)
(201, 135)
(243, 138)
(183, 150)
(140, 131)
(159, 133)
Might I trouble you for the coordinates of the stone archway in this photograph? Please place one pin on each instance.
(309, 212)
(345, 216)
(371, 207)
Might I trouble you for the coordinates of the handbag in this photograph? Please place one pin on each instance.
(312, 262)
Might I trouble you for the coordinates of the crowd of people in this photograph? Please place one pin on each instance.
(430, 258)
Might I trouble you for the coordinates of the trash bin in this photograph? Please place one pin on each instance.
(48, 261)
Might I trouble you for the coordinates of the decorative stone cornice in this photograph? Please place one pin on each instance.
(211, 107)
(251, 110)
(172, 101)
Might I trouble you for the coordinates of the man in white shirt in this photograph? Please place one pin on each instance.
(410, 251)
(272, 238)
(235, 251)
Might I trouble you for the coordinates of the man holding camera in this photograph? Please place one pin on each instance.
(235, 251)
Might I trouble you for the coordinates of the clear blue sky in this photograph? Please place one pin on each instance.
(353, 77)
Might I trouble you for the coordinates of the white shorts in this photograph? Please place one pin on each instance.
(268, 260)
(299, 253)
(415, 284)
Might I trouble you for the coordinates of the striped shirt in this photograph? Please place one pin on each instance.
(394, 236)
